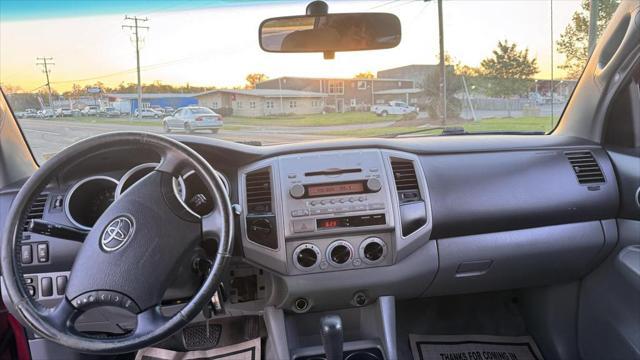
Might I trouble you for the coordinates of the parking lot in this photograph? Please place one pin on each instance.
(48, 136)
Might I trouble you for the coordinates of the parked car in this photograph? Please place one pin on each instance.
(62, 112)
(393, 108)
(148, 113)
(91, 110)
(158, 108)
(193, 118)
(28, 113)
(168, 110)
(45, 114)
(110, 112)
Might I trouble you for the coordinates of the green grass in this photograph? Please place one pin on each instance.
(338, 119)
(331, 119)
(515, 124)
(373, 132)
(491, 124)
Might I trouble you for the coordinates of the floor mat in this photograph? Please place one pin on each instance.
(473, 347)
(248, 350)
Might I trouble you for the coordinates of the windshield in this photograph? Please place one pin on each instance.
(199, 111)
(507, 66)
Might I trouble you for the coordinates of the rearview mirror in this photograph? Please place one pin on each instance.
(330, 32)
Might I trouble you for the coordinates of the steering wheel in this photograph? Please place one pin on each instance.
(128, 258)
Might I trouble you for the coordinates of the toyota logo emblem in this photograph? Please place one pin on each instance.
(117, 233)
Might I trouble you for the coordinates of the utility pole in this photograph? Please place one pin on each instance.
(443, 66)
(45, 62)
(593, 25)
(135, 27)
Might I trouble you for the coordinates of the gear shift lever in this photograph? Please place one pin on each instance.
(332, 337)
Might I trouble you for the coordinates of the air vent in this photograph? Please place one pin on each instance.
(586, 167)
(404, 174)
(36, 210)
(258, 187)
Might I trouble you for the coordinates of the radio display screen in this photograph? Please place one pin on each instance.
(335, 189)
(350, 221)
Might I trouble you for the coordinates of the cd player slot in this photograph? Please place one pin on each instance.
(332, 172)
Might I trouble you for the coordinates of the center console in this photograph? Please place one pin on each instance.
(332, 211)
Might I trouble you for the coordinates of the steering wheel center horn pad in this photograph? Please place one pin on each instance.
(131, 254)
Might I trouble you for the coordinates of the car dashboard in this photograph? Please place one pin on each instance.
(337, 224)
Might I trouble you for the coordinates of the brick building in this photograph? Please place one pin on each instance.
(346, 94)
(263, 102)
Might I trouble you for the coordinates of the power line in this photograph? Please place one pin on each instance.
(135, 27)
(45, 62)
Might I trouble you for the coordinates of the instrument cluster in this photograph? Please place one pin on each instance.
(88, 198)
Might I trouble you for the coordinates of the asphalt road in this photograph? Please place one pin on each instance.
(47, 137)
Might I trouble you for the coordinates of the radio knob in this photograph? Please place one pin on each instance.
(374, 185)
(297, 191)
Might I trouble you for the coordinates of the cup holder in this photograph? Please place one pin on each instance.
(362, 355)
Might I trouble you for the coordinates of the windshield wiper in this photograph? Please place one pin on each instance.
(454, 131)
(457, 130)
(394, 135)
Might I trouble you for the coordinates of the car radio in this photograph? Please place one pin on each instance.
(320, 198)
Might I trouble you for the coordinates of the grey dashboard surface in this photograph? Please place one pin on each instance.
(519, 186)
(478, 183)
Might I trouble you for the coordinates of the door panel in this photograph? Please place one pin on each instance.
(609, 310)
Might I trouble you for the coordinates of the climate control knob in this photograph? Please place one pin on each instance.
(297, 191)
(306, 257)
(372, 250)
(339, 253)
(374, 185)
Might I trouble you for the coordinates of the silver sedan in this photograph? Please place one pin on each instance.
(193, 118)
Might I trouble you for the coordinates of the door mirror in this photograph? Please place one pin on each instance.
(330, 33)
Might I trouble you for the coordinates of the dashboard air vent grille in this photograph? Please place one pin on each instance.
(586, 167)
(404, 174)
(258, 187)
(36, 210)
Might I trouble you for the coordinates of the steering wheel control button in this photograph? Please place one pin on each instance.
(116, 234)
(31, 290)
(339, 253)
(105, 298)
(372, 250)
(26, 254)
(61, 284)
(46, 286)
(306, 257)
(43, 252)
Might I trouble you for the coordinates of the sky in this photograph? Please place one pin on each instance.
(215, 43)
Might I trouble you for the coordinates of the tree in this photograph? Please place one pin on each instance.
(364, 75)
(254, 78)
(509, 71)
(431, 84)
(574, 41)
(12, 89)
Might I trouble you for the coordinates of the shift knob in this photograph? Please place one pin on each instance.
(332, 337)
